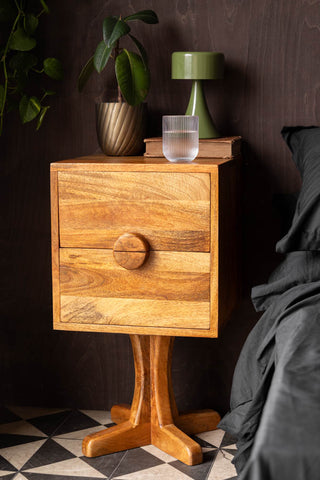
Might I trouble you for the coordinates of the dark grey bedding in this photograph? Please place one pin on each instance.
(275, 399)
(275, 402)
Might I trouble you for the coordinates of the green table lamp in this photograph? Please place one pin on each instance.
(198, 66)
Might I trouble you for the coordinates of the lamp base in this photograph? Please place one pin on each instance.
(198, 106)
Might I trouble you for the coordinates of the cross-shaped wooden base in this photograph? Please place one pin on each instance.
(153, 417)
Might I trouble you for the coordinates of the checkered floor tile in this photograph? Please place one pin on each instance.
(45, 444)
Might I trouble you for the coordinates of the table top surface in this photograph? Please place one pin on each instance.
(138, 163)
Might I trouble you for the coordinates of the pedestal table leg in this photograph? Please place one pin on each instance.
(153, 416)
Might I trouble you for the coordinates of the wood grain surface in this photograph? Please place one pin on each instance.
(130, 251)
(89, 163)
(55, 244)
(131, 312)
(99, 291)
(272, 79)
(165, 275)
(171, 211)
(170, 291)
(153, 417)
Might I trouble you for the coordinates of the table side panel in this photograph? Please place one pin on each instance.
(55, 260)
(214, 252)
(230, 239)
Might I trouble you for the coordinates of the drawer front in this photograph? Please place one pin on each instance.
(171, 290)
(170, 210)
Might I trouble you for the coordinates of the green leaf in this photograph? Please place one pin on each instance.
(113, 29)
(29, 107)
(1, 96)
(30, 23)
(23, 61)
(132, 76)
(85, 74)
(53, 68)
(146, 16)
(141, 49)
(21, 41)
(42, 115)
(44, 6)
(107, 27)
(101, 56)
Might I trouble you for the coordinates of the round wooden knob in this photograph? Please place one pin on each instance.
(130, 250)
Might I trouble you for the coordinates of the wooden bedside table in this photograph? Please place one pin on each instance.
(149, 248)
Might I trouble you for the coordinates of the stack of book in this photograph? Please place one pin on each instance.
(224, 147)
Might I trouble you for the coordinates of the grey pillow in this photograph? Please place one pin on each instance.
(304, 233)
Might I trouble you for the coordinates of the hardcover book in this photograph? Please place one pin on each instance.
(224, 147)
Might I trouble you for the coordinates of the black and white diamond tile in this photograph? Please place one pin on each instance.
(46, 444)
(7, 415)
(222, 468)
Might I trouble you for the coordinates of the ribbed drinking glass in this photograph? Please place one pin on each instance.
(180, 137)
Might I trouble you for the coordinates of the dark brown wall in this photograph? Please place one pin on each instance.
(272, 50)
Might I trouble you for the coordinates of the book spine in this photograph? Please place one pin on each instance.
(206, 149)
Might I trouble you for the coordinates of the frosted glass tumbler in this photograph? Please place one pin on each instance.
(180, 137)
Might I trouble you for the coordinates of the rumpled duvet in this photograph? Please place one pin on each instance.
(275, 399)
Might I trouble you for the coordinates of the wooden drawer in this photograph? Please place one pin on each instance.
(183, 214)
(167, 289)
(171, 210)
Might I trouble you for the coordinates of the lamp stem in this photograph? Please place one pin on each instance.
(198, 106)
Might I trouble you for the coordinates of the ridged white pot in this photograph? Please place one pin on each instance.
(121, 128)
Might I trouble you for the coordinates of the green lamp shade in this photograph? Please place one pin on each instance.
(198, 66)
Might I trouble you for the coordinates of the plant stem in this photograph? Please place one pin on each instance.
(40, 13)
(116, 53)
(119, 95)
(3, 60)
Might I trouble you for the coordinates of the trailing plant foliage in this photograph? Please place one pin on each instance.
(131, 68)
(22, 70)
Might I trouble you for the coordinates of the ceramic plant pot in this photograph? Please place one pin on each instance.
(121, 128)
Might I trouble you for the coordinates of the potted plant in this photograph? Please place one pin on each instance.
(121, 124)
(23, 73)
